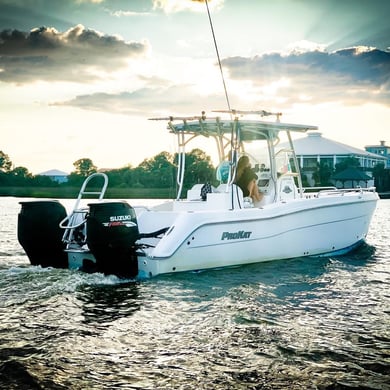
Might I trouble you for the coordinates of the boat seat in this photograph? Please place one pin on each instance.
(221, 197)
(286, 187)
(194, 192)
(267, 187)
(221, 188)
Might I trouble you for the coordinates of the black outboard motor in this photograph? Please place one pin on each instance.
(40, 235)
(112, 231)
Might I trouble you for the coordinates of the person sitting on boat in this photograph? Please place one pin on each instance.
(223, 169)
(246, 179)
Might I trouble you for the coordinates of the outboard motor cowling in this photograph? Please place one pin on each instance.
(40, 235)
(112, 231)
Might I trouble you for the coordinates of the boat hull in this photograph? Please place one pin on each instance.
(303, 227)
(190, 239)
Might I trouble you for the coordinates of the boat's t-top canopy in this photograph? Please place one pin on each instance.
(231, 133)
(233, 130)
(248, 130)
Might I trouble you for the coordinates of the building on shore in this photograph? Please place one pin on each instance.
(315, 150)
(55, 175)
(382, 150)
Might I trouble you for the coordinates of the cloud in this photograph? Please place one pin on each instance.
(122, 13)
(173, 6)
(355, 75)
(165, 99)
(90, 1)
(121, 103)
(78, 54)
(352, 75)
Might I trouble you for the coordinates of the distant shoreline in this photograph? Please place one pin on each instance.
(72, 192)
(112, 193)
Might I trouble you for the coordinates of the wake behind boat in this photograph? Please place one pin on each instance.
(208, 227)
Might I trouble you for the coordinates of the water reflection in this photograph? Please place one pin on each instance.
(360, 256)
(106, 303)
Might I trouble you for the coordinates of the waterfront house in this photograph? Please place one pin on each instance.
(56, 175)
(382, 150)
(314, 149)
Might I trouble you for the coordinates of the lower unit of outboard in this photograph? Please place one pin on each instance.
(40, 235)
(112, 231)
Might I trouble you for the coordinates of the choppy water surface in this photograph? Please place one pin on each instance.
(300, 324)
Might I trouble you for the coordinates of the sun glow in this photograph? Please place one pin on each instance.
(65, 87)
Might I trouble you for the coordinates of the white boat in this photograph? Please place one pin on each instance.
(222, 229)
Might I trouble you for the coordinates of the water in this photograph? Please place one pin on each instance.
(299, 324)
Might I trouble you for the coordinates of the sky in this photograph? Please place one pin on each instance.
(80, 78)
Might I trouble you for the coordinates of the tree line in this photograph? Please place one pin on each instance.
(160, 172)
(156, 172)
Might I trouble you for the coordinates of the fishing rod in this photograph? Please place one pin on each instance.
(235, 133)
(218, 57)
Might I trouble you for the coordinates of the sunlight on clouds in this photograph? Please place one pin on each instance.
(90, 1)
(304, 46)
(348, 75)
(69, 91)
(204, 76)
(204, 79)
(119, 14)
(46, 54)
(173, 6)
(274, 88)
(248, 95)
(304, 98)
(242, 92)
(363, 49)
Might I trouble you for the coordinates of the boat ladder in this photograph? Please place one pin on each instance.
(73, 223)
